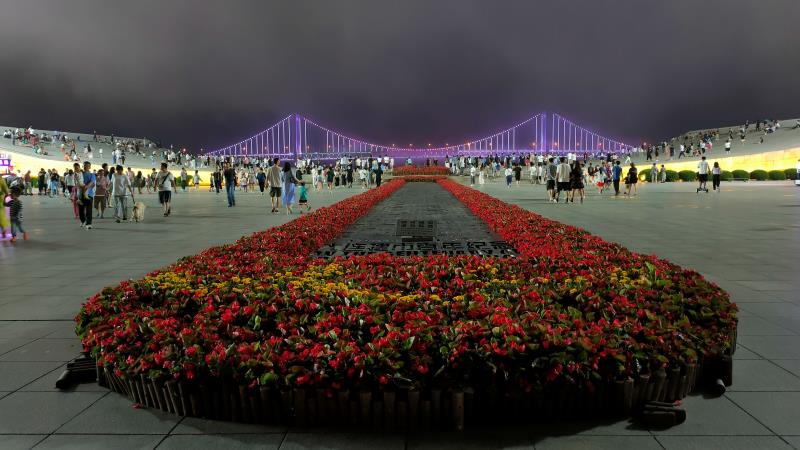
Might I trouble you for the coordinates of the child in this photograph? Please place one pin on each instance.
(303, 201)
(15, 207)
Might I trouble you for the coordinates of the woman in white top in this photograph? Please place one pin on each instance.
(716, 174)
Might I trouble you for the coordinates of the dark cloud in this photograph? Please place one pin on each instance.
(204, 73)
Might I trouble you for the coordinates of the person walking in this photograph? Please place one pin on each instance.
(230, 184)
(15, 212)
(552, 173)
(138, 181)
(217, 180)
(378, 174)
(87, 196)
(274, 180)
(101, 193)
(662, 174)
(631, 179)
(303, 197)
(165, 183)
(120, 188)
(653, 173)
(261, 177)
(184, 179)
(702, 175)
(329, 175)
(289, 183)
(41, 180)
(71, 181)
(616, 174)
(562, 178)
(53, 181)
(509, 173)
(4, 219)
(716, 175)
(576, 179)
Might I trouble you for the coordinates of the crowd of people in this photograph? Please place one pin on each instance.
(91, 191)
(285, 183)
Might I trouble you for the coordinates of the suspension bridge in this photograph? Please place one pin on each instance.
(298, 137)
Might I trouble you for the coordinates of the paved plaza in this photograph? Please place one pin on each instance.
(746, 239)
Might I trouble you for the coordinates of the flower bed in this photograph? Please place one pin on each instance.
(423, 170)
(258, 331)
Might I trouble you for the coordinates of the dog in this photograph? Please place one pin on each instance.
(138, 212)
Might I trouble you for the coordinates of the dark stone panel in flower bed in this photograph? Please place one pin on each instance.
(418, 210)
(497, 249)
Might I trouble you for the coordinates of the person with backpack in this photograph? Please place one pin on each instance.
(165, 183)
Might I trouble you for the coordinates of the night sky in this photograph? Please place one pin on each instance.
(202, 73)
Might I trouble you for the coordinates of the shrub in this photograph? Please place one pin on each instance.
(777, 175)
(791, 174)
(741, 174)
(726, 175)
(759, 175)
(672, 176)
(687, 175)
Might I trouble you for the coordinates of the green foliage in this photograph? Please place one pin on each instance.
(687, 175)
(672, 176)
(644, 175)
(777, 175)
(726, 175)
(741, 174)
(759, 175)
(791, 174)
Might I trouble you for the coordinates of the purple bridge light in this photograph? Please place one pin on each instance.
(298, 137)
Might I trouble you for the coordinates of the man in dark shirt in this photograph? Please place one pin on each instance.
(230, 184)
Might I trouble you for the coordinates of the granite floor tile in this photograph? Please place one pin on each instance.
(354, 441)
(41, 412)
(20, 441)
(717, 417)
(225, 441)
(114, 414)
(495, 437)
(61, 350)
(777, 410)
(194, 425)
(723, 443)
(763, 375)
(99, 442)
(758, 326)
(14, 375)
(773, 347)
(598, 443)
(792, 365)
